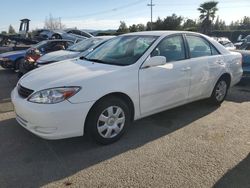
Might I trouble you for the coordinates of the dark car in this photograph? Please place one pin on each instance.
(11, 60)
(40, 49)
(244, 49)
(69, 34)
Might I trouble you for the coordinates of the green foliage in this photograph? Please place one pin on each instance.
(172, 22)
(136, 28)
(123, 28)
(190, 25)
(219, 24)
(4, 33)
(207, 15)
(11, 30)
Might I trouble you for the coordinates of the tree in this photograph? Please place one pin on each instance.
(172, 22)
(136, 28)
(53, 23)
(123, 28)
(219, 24)
(245, 23)
(11, 30)
(208, 11)
(190, 25)
(3, 32)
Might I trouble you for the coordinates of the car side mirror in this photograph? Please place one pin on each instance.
(155, 61)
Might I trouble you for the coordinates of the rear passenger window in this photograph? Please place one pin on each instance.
(172, 48)
(199, 47)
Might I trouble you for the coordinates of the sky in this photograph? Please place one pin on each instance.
(107, 14)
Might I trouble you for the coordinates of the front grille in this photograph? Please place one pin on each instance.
(23, 91)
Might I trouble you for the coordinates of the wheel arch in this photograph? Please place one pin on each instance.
(227, 77)
(16, 60)
(120, 95)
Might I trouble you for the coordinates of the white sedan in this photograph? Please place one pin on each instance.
(127, 78)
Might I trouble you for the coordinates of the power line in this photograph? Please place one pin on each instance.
(151, 7)
(109, 10)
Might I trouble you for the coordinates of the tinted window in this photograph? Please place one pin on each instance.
(172, 48)
(85, 44)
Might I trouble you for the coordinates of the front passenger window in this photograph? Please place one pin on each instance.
(172, 48)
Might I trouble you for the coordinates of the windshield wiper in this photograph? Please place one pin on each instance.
(83, 58)
(99, 61)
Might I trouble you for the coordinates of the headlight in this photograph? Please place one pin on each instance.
(4, 59)
(53, 95)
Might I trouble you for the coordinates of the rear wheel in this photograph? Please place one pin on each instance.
(108, 120)
(220, 91)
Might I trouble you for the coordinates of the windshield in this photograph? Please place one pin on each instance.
(84, 45)
(40, 44)
(123, 50)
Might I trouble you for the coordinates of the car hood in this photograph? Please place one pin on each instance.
(65, 73)
(57, 56)
(13, 53)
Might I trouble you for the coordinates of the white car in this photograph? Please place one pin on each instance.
(127, 78)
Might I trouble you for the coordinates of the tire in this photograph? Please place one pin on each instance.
(108, 120)
(17, 64)
(220, 91)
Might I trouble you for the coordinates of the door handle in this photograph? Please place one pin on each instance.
(220, 62)
(186, 69)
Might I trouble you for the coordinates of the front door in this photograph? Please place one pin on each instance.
(167, 85)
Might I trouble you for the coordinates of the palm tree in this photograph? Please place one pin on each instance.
(208, 11)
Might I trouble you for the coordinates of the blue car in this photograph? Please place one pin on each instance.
(245, 52)
(14, 59)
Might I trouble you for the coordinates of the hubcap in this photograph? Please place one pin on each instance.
(111, 122)
(221, 90)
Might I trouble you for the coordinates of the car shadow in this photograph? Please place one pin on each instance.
(28, 161)
(240, 93)
(238, 177)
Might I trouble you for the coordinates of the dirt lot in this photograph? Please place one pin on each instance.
(196, 145)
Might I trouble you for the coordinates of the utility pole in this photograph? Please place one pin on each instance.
(151, 6)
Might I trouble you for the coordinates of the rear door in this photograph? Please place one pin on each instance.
(206, 65)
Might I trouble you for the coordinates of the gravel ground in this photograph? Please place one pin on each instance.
(196, 145)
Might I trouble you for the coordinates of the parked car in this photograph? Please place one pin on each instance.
(80, 49)
(226, 43)
(44, 47)
(11, 60)
(245, 52)
(127, 78)
(242, 41)
(69, 34)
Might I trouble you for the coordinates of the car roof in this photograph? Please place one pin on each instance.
(59, 40)
(160, 33)
(105, 37)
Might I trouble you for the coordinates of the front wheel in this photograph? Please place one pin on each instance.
(220, 92)
(17, 63)
(108, 120)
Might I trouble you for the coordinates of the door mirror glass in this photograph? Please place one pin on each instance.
(155, 61)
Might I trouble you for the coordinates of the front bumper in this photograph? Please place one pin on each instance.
(7, 64)
(51, 121)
